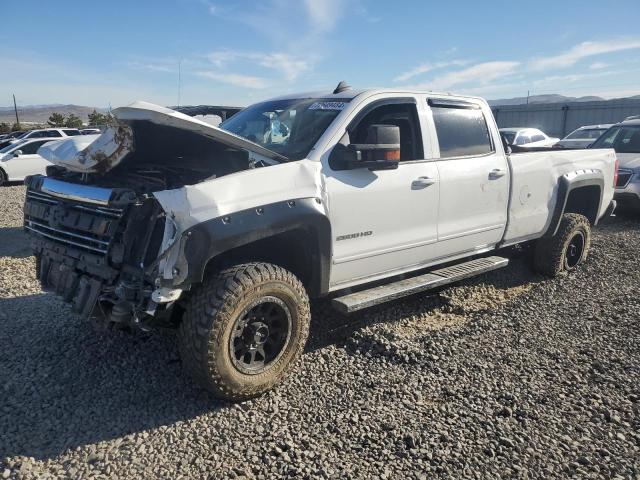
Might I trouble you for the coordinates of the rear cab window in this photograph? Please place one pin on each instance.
(461, 128)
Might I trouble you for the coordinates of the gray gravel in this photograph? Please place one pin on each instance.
(507, 375)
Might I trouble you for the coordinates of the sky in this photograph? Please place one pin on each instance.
(238, 52)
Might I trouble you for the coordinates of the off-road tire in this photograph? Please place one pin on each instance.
(551, 253)
(209, 319)
(3, 178)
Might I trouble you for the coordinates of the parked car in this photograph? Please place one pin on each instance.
(20, 159)
(527, 137)
(90, 131)
(226, 232)
(48, 133)
(583, 136)
(6, 136)
(624, 138)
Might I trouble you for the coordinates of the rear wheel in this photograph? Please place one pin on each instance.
(3, 178)
(567, 249)
(244, 330)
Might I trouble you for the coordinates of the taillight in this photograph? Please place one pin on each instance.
(615, 174)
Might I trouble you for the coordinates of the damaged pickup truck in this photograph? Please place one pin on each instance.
(226, 232)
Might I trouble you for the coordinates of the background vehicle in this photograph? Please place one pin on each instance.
(527, 137)
(21, 159)
(6, 136)
(624, 138)
(90, 131)
(225, 232)
(48, 133)
(583, 136)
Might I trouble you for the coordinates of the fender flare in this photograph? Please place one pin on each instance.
(566, 184)
(209, 239)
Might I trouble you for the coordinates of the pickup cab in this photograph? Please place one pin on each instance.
(364, 196)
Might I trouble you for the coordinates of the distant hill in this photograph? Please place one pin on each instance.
(551, 98)
(40, 113)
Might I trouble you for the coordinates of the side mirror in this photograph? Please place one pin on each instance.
(505, 144)
(17, 153)
(380, 152)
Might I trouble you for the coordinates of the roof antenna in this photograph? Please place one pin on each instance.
(342, 86)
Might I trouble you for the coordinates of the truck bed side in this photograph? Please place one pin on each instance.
(536, 187)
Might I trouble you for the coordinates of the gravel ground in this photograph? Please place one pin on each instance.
(507, 375)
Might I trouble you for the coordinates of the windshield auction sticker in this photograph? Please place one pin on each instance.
(327, 106)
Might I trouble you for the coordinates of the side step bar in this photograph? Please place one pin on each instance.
(353, 302)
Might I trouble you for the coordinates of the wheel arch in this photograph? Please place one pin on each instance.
(295, 234)
(579, 192)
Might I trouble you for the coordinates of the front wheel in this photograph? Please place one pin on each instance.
(244, 329)
(568, 248)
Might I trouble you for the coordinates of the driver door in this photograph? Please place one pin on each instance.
(383, 221)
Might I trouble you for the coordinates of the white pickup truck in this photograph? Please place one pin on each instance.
(226, 232)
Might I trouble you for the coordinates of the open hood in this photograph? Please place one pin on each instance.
(94, 154)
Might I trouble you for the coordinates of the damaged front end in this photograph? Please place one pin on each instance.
(101, 238)
(97, 248)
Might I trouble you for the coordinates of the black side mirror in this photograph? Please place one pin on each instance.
(505, 144)
(380, 152)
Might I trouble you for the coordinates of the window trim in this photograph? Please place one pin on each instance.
(459, 104)
(392, 101)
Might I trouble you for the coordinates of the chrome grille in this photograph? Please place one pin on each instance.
(82, 226)
(624, 176)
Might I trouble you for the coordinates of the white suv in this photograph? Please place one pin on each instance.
(624, 138)
(49, 133)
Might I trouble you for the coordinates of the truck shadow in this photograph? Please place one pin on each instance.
(329, 327)
(63, 385)
(14, 243)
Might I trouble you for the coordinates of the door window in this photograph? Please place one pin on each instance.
(31, 148)
(461, 131)
(51, 133)
(537, 138)
(404, 116)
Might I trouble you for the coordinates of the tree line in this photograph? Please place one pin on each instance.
(70, 120)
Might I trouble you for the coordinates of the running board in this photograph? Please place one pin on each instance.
(353, 302)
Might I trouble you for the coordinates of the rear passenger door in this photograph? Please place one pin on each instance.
(474, 179)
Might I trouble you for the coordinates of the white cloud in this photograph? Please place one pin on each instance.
(427, 67)
(323, 14)
(290, 66)
(481, 73)
(598, 65)
(245, 81)
(581, 51)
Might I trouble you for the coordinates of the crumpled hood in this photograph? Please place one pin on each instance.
(91, 154)
(629, 160)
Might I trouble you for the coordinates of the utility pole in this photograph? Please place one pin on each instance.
(179, 79)
(15, 108)
(527, 97)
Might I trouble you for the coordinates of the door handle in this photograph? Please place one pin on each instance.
(423, 181)
(497, 173)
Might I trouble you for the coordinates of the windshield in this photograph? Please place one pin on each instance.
(10, 147)
(288, 127)
(623, 139)
(586, 133)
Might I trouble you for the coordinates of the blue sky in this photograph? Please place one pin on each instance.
(236, 53)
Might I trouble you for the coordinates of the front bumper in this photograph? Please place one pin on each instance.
(629, 196)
